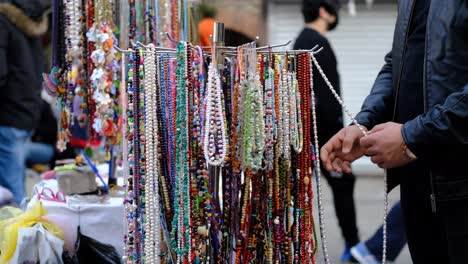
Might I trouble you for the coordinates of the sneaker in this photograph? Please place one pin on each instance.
(363, 255)
(347, 257)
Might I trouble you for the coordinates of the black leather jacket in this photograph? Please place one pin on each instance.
(439, 137)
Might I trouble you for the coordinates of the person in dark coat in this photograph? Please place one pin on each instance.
(417, 114)
(22, 22)
(320, 17)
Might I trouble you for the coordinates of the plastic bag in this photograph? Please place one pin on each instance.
(37, 245)
(8, 212)
(93, 251)
(9, 229)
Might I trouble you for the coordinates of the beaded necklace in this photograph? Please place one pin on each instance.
(130, 201)
(269, 118)
(307, 243)
(152, 239)
(138, 156)
(180, 222)
(165, 160)
(214, 142)
(295, 114)
(253, 124)
(199, 183)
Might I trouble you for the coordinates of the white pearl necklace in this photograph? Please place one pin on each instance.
(215, 124)
(152, 228)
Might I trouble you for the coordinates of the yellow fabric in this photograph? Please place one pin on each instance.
(10, 226)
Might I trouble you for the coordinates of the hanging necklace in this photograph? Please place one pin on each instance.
(304, 169)
(180, 222)
(253, 134)
(295, 113)
(269, 118)
(152, 239)
(214, 142)
(165, 158)
(130, 201)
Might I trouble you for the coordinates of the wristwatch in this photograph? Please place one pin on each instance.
(409, 153)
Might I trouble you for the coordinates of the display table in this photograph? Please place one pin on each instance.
(103, 222)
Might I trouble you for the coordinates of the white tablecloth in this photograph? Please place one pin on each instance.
(103, 222)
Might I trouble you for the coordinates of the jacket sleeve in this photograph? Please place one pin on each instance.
(378, 105)
(443, 125)
(3, 53)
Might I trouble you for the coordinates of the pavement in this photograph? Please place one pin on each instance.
(368, 197)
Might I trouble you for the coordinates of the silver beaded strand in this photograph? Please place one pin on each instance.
(323, 234)
(353, 119)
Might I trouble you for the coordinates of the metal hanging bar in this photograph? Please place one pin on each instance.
(274, 46)
(156, 47)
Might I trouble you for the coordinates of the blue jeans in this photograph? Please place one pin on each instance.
(396, 236)
(13, 147)
(39, 153)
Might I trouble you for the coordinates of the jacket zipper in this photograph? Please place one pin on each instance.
(401, 63)
(432, 196)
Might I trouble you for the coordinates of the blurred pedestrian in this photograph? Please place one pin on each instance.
(41, 148)
(320, 17)
(22, 22)
(417, 114)
(205, 26)
(370, 251)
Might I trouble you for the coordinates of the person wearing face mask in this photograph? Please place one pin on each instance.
(22, 22)
(321, 16)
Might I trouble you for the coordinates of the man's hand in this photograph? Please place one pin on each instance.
(342, 149)
(385, 145)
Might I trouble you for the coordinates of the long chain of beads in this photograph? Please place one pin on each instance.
(199, 183)
(284, 111)
(253, 123)
(152, 227)
(129, 202)
(295, 114)
(141, 173)
(180, 222)
(304, 169)
(162, 157)
(188, 74)
(214, 145)
(269, 118)
(254, 126)
(165, 159)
